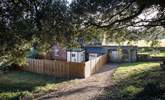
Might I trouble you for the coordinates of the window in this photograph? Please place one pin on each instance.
(125, 55)
(56, 52)
(93, 55)
(73, 55)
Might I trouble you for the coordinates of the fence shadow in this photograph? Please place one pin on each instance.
(15, 81)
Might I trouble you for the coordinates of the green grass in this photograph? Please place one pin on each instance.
(16, 83)
(160, 54)
(137, 81)
(154, 54)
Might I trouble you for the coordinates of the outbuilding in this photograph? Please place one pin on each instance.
(115, 53)
(76, 55)
(122, 53)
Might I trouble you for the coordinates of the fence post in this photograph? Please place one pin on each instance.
(68, 67)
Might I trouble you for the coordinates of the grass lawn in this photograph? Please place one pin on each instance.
(154, 54)
(16, 83)
(136, 81)
(160, 54)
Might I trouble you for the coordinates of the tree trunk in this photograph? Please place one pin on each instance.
(163, 62)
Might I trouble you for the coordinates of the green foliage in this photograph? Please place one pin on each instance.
(152, 52)
(9, 96)
(24, 23)
(91, 34)
(14, 96)
(131, 91)
(120, 19)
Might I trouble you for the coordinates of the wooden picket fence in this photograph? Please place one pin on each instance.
(93, 66)
(63, 69)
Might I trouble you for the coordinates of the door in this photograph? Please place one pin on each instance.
(115, 56)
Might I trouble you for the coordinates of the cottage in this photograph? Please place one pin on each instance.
(76, 55)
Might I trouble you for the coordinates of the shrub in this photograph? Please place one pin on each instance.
(6, 67)
(15, 95)
(9, 96)
(162, 66)
(25, 96)
(151, 90)
(143, 57)
(131, 91)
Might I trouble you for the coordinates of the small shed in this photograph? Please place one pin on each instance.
(76, 55)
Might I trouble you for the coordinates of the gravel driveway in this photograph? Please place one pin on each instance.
(83, 89)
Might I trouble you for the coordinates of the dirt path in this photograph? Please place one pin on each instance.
(83, 89)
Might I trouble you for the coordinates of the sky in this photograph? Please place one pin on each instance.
(69, 1)
(149, 13)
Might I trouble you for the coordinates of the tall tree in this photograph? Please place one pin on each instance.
(119, 16)
(27, 22)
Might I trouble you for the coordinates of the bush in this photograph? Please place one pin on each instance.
(16, 96)
(8, 67)
(131, 91)
(162, 66)
(9, 96)
(25, 96)
(151, 90)
(143, 57)
(146, 50)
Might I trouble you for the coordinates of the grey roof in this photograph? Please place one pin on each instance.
(76, 50)
(112, 47)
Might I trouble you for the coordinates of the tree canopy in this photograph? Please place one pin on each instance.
(108, 13)
(115, 16)
(41, 23)
(24, 23)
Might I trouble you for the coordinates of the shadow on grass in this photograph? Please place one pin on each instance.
(146, 85)
(76, 91)
(15, 87)
(25, 81)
